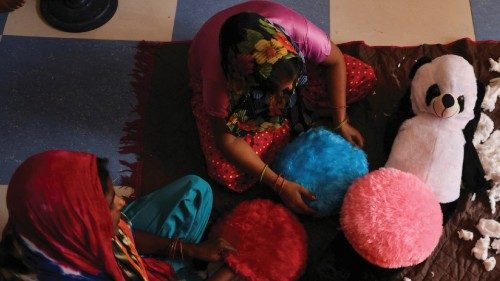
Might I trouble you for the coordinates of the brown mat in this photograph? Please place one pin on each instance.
(166, 141)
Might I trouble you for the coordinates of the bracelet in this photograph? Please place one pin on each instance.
(263, 172)
(281, 186)
(341, 124)
(275, 182)
(171, 247)
(338, 107)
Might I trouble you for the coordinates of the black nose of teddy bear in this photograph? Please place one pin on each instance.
(448, 100)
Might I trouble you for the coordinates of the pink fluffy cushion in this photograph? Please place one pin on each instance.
(391, 218)
(271, 242)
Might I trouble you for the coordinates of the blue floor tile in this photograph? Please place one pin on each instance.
(191, 14)
(57, 93)
(485, 15)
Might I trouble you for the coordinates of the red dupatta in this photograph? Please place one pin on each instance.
(55, 200)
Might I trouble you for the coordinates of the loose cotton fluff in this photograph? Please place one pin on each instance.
(491, 95)
(490, 263)
(391, 218)
(325, 163)
(480, 250)
(465, 235)
(494, 65)
(489, 227)
(489, 155)
(484, 129)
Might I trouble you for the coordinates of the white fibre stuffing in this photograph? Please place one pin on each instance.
(489, 154)
(465, 235)
(495, 245)
(473, 197)
(480, 250)
(489, 228)
(484, 129)
(491, 95)
(494, 196)
(490, 263)
(494, 65)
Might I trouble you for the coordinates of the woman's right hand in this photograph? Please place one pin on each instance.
(292, 195)
(213, 250)
(352, 135)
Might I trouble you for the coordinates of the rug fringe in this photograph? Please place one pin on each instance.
(133, 141)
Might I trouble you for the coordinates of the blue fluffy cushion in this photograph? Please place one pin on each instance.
(325, 163)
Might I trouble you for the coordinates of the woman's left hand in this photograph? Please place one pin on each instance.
(211, 250)
(352, 135)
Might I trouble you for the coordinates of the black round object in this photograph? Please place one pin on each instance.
(77, 15)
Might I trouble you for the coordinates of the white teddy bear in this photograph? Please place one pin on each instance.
(431, 144)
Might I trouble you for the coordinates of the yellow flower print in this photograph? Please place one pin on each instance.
(269, 51)
(232, 120)
(280, 37)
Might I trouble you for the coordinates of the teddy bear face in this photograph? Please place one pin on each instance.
(443, 105)
(445, 88)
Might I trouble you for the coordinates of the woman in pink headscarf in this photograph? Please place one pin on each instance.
(246, 64)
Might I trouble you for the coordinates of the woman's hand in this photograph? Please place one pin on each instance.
(292, 194)
(352, 135)
(210, 250)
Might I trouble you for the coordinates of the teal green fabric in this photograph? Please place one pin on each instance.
(180, 210)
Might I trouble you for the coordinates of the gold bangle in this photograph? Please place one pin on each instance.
(338, 107)
(275, 182)
(263, 172)
(341, 124)
(281, 186)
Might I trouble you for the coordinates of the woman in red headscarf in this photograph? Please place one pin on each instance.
(66, 223)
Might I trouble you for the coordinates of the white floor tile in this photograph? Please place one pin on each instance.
(400, 23)
(136, 20)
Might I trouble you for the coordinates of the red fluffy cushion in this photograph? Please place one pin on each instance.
(271, 242)
(391, 218)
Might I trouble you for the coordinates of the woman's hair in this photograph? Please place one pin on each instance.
(12, 258)
(288, 69)
(103, 172)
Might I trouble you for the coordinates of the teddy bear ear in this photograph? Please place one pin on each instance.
(421, 61)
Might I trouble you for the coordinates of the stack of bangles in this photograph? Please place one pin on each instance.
(275, 184)
(172, 248)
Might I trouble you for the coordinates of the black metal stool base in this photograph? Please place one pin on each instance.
(77, 15)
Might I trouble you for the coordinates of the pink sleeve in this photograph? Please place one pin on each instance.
(312, 41)
(204, 67)
(215, 98)
(318, 44)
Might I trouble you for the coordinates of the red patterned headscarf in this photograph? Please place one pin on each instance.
(55, 200)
